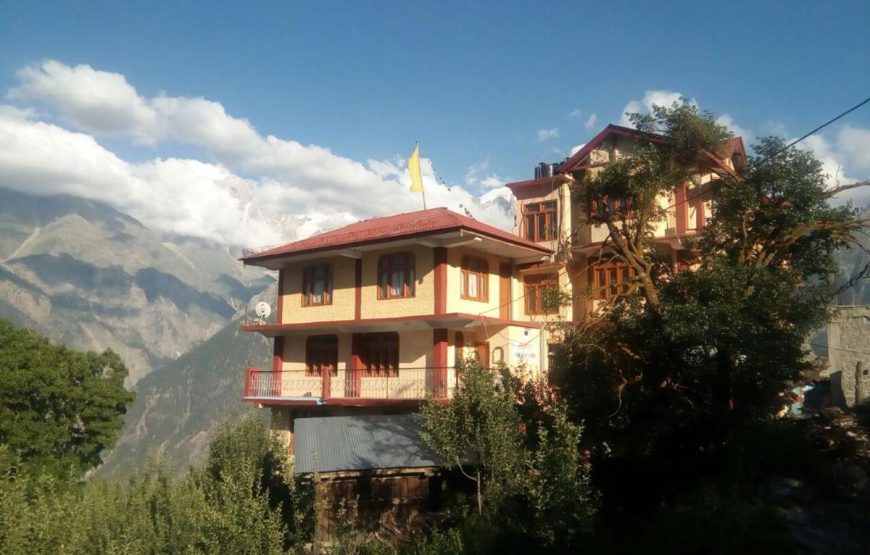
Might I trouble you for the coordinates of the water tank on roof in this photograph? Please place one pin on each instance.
(544, 170)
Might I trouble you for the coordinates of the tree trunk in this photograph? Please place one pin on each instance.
(479, 496)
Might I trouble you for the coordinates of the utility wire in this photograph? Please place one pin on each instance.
(814, 131)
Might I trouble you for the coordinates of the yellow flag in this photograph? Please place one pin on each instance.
(414, 170)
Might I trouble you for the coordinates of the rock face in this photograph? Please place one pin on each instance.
(91, 277)
(849, 354)
(179, 405)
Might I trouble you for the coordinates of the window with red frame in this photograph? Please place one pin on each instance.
(607, 206)
(475, 275)
(608, 280)
(541, 220)
(317, 285)
(321, 355)
(380, 354)
(535, 287)
(396, 276)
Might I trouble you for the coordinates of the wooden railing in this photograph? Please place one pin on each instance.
(408, 383)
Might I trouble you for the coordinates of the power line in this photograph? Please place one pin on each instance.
(814, 131)
(840, 349)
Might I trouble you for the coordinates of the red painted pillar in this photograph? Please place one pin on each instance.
(439, 363)
(439, 260)
(352, 381)
(277, 365)
(682, 207)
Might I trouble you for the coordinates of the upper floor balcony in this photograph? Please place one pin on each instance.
(411, 385)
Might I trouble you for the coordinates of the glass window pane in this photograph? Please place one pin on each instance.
(472, 285)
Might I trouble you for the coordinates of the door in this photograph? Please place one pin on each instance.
(481, 353)
(504, 291)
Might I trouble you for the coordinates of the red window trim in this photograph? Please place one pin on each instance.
(477, 266)
(321, 351)
(534, 286)
(620, 271)
(309, 280)
(534, 212)
(397, 262)
(380, 354)
(620, 207)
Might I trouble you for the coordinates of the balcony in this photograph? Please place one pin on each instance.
(348, 387)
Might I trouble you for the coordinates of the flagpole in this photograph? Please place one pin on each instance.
(423, 189)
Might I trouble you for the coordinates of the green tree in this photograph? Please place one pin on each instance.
(479, 428)
(533, 486)
(59, 408)
(675, 366)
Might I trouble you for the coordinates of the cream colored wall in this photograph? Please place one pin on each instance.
(423, 301)
(561, 194)
(455, 302)
(519, 298)
(524, 349)
(343, 276)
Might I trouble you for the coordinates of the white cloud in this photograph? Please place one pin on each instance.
(854, 143)
(590, 122)
(838, 164)
(645, 105)
(747, 135)
(547, 134)
(91, 99)
(293, 189)
(575, 114)
(575, 149)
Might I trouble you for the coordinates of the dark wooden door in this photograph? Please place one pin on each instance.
(504, 291)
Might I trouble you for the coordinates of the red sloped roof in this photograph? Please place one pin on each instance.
(730, 146)
(388, 228)
(611, 129)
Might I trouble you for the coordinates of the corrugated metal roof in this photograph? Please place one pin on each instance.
(353, 443)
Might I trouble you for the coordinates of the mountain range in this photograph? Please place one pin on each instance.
(91, 277)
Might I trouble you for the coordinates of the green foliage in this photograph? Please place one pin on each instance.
(525, 452)
(704, 522)
(698, 353)
(152, 512)
(59, 409)
(480, 427)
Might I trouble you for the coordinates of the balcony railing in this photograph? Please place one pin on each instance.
(409, 383)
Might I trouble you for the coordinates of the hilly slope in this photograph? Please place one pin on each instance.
(91, 277)
(178, 405)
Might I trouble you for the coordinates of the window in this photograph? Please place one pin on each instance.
(608, 280)
(321, 355)
(475, 275)
(317, 285)
(396, 276)
(606, 207)
(380, 354)
(542, 220)
(535, 287)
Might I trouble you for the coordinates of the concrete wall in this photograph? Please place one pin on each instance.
(849, 354)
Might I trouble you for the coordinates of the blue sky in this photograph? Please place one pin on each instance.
(496, 86)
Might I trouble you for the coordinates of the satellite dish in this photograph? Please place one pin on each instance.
(263, 309)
